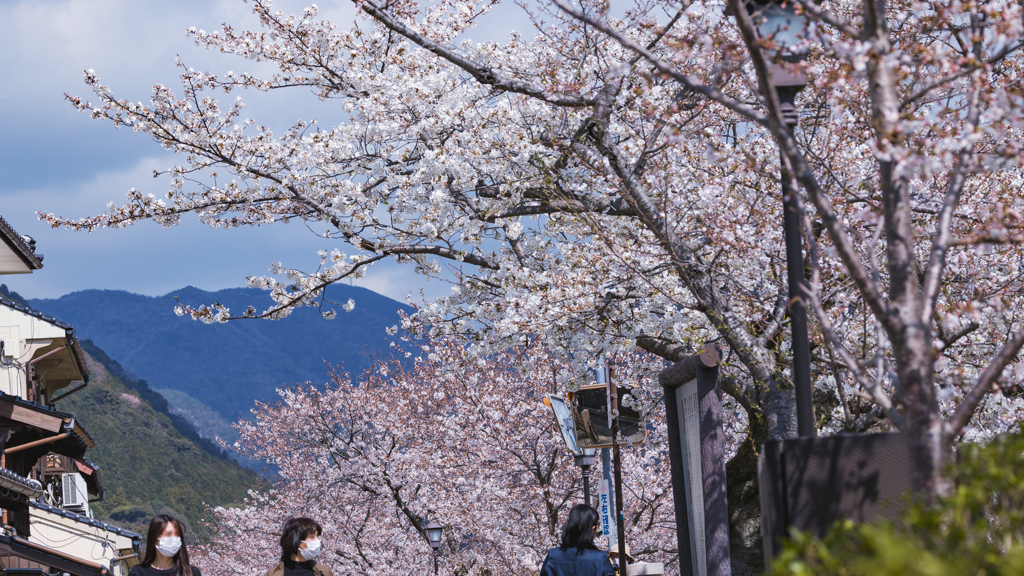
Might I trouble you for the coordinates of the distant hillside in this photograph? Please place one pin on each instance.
(146, 464)
(185, 427)
(211, 424)
(227, 366)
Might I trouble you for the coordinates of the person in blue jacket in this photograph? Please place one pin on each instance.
(578, 556)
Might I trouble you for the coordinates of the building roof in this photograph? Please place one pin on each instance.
(27, 487)
(62, 421)
(19, 249)
(78, 430)
(36, 313)
(86, 520)
(74, 348)
(32, 405)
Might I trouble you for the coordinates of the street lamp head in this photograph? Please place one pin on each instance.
(780, 22)
(434, 533)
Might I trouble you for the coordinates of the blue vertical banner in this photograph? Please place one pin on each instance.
(606, 508)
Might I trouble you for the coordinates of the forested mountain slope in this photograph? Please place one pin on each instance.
(147, 465)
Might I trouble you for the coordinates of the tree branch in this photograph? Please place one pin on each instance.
(973, 398)
(942, 238)
(689, 81)
(483, 74)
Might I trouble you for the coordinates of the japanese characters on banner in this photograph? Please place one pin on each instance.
(604, 507)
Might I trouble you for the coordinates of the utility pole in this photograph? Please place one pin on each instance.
(620, 523)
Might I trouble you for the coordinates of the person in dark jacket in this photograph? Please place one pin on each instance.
(165, 553)
(300, 545)
(578, 556)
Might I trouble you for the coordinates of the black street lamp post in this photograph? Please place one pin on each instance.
(788, 29)
(434, 532)
(585, 460)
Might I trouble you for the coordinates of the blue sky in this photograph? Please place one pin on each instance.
(55, 159)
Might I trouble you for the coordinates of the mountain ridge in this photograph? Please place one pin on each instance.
(231, 365)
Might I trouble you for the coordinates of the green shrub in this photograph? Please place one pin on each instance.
(977, 530)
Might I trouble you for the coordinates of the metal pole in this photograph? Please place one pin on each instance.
(585, 472)
(585, 461)
(435, 563)
(620, 521)
(797, 283)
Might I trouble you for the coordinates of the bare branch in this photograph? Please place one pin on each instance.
(973, 398)
(949, 339)
(689, 81)
(668, 349)
(775, 318)
(872, 387)
(989, 238)
(483, 74)
(942, 238)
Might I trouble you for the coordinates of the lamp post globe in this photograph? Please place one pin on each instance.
(434, 533)
(782, 23)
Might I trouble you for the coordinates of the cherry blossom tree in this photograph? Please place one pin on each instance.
(929, 93)
(456, 439)
(605, 183)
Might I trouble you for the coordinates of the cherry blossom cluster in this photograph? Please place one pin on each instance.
(446, 437)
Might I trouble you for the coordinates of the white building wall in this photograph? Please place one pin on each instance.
(80, 540)
(23, 336)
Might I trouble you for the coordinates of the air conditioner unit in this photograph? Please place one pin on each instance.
(74, 493)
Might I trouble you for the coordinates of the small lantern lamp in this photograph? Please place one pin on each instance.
(434, 533)
(780, 22)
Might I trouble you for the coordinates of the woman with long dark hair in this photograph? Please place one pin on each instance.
(166, 553)
(578, 556)
(300, 545)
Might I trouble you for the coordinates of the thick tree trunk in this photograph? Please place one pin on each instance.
(924, 427)
(745, 544)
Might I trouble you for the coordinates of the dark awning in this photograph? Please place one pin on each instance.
(15, 412)
(36, 430)
(91, 473)
(15, 546)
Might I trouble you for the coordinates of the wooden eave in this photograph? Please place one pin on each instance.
(14, 410)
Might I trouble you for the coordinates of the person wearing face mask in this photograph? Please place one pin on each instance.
(166, 553)
(300, 546)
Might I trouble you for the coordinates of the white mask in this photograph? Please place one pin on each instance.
(311, 551)
(168, 546)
